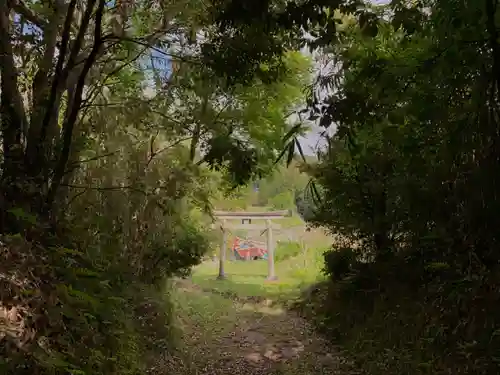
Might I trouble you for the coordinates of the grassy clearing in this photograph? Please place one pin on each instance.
(245, 279)
(248, 279)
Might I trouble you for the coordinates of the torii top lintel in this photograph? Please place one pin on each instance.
(253, 215)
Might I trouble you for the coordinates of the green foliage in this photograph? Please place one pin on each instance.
(133, 198)
(238, 130)
(62, 304)
(262, 31)
(112, 152)
(286, 250)
(240, 161)
(307, 200)
(409, 182)
(95, 300)
(104, 309)
(339, 263)
(277, 190)
(282, 201)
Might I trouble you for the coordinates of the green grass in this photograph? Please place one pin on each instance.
(291, 221)
(203, 311)
(248, 279)
(245, 279)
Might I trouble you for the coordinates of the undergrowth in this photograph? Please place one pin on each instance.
(63, 313)
(89, 307)
(396, 317)
(286, 250)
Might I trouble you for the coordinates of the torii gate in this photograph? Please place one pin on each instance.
(224, 216)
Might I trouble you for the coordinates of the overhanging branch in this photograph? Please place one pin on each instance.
(153, 48)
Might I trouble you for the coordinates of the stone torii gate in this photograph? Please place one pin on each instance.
(224, 216)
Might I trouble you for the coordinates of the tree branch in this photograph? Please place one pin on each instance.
(175, 143)
(77, 44)
(150, 46)
(94, 92)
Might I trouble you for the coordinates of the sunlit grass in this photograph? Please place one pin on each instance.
(246, 279)
(203, 311)
(249, 278)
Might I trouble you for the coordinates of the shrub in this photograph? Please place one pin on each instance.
(71, 315)
(339, 262)
(282, 201)
(395, 319)
(286, 250)
(65, 310)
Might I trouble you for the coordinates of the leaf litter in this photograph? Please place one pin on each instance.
(223, 335)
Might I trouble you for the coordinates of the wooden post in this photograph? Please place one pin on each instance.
(270, 252)
(222, 255)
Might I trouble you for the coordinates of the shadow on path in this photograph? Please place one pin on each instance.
(225, 334)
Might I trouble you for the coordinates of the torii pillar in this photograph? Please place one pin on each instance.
(271, 275)
(223, 251)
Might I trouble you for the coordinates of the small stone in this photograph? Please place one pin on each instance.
(254, 357)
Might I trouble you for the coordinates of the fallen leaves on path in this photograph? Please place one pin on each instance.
(235, 336)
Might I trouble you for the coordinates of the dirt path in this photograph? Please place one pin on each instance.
(222, 336)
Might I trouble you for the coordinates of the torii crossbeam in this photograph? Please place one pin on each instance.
(224, 216)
